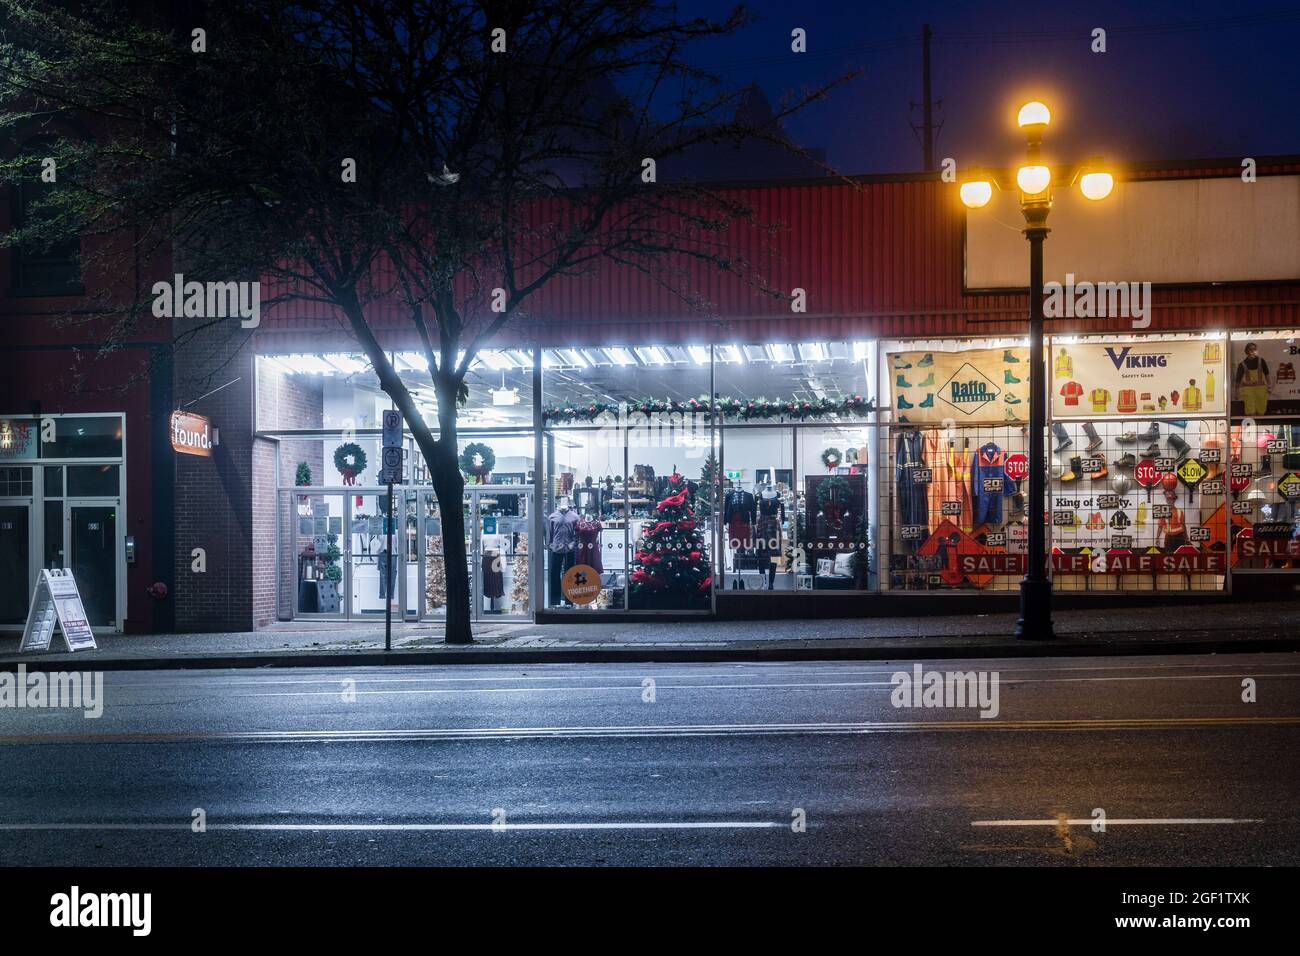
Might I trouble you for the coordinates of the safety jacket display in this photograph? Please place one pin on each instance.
(912, 495)
(989, 462)
(1100, 398)
(1064, 365)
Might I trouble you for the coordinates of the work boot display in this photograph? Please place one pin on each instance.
(903, 402)
(1094, 440)
(1125, 462)
(1099, 474)
(1178, 444)
(1063, 438)
(929, 380)
(902, 382)
(1128, 438)
(899, 363)
(928, 402)
(1008, 357)
(1008, 378)
(1151, 434)
(1153, 450)
(926, 360)
(1072, 473)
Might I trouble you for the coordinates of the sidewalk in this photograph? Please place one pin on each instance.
(1226, 628)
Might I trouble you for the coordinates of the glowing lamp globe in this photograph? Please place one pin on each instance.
(1034, 114)
(1096, 186)
(1033, 179)
(976, 194)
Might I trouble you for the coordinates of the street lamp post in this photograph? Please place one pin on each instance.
(1034, 180)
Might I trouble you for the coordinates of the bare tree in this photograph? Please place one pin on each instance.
(496, 147)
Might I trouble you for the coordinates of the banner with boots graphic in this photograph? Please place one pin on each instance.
(977, 386)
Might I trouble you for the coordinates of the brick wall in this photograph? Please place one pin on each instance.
(214, 496)
(284, 402)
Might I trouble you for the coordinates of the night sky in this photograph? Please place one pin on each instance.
(1192, 84)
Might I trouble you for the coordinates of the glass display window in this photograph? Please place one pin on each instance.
(585, 519)
(1265, 495)
(955, 497)
(834, 514)
(1138, 504)
(760, 539)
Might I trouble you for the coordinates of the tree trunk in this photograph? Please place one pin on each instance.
(449, 486)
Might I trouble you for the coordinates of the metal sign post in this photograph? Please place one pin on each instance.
(390, 471)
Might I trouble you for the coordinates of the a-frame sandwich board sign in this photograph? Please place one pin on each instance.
(57, 601)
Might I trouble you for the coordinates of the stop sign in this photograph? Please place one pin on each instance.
(1017, 467)
(1146, 473)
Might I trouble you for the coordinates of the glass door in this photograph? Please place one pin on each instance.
(317, 549)
(496, 547)
(499, 557)
(372, 572)
(15, 562)
(92, 535)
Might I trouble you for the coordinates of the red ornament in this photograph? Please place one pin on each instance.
(686, 524)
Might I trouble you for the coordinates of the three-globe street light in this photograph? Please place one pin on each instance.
(1034, 180)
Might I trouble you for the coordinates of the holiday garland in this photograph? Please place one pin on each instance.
(758, 409)
(478, 460)
(350, 460)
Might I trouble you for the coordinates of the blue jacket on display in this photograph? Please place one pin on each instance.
(988, 461)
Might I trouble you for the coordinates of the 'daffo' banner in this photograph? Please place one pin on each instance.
(1138, 378)
(976, 386)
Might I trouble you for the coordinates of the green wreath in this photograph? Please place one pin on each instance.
(831, 458)
(478, 460)
(350, 460)
(829, 489)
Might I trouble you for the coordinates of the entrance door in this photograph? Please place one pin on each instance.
(496, 546)
(499, 563)
(374, 576)
(92, 534)
(15, 562)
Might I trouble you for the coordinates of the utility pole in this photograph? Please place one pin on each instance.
(927, 134)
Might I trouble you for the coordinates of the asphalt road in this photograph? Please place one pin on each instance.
(709, 764)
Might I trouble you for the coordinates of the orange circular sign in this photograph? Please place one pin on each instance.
(581, 584)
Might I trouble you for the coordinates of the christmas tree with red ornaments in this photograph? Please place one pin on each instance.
(671, 563)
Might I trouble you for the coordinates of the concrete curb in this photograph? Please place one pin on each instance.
(1211, 643)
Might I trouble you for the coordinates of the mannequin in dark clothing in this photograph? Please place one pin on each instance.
(771, 513)
(562, 542)
(740, 514)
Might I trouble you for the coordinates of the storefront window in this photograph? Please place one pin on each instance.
(629, 444)
(834, 514)
(954, 465)
(759, 531)
(1265, 481)
(1139, 462)
(91, 436)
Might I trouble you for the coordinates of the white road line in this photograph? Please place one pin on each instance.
(360, 673)
(469, 827)
(412, 735)
(671, 684)
(1120, 822)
